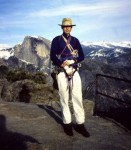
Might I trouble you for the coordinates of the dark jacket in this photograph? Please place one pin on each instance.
(57, 46)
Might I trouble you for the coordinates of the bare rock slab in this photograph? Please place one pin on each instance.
(39, 127)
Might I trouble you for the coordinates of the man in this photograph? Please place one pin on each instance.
(66, 53)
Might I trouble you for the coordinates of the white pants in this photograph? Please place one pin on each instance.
(76, 94)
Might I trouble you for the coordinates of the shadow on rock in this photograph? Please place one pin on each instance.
(24, 95)
(56, 115)
(121, 115)
(55, 84)
(13, 140)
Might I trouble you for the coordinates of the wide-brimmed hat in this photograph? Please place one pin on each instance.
(66, 22)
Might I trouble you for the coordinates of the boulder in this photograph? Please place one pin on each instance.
(28, 91)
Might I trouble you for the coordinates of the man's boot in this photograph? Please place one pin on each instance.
(80, 128)
(68, 129)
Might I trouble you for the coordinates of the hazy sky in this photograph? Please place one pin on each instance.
(96, 20)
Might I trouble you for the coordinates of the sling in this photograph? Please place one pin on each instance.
(73, 52)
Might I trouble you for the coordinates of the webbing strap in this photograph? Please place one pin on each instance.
(73, 52)
(67, 42)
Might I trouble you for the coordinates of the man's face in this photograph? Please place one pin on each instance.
(67, 29)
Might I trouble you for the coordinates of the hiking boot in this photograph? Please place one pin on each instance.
(68, 129)
(80, 128)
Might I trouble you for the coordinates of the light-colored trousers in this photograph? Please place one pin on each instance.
(76, 95)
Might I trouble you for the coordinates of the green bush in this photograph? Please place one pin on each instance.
(19, 74)
(3, 71)
(39, 77)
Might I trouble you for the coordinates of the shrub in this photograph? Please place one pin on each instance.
(19, 74)
(3, 71)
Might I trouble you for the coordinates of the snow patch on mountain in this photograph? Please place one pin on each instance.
(108, 44)
(118, 50)
(98, 53)
(6, 53)
(33, 36)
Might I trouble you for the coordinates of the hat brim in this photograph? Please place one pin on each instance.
(66, 25)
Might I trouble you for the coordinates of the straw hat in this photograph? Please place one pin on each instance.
(66, 22)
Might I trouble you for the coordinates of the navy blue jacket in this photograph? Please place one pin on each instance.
(57, 46)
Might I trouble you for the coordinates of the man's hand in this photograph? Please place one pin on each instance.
(67, 63)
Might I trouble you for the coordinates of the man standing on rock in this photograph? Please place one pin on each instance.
(66, 53)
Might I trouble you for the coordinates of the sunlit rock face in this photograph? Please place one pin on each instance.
(34, 50)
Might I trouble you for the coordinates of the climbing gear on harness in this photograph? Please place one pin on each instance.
(67, 42)
(69, 70)
(73, 52)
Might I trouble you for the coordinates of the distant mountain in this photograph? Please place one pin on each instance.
(109, 52)
(109, 58)
(34, 51)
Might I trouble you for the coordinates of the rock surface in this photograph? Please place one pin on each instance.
(120, 109)
(32, 54)
(26, 91)
(39, 127)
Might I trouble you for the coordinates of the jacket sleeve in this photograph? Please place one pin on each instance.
(80, 52)
(53, 52)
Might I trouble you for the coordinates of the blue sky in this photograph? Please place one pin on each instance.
(96, 20)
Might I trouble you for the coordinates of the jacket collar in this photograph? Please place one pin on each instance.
(65, 35)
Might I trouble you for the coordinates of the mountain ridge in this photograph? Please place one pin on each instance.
(104, 51)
